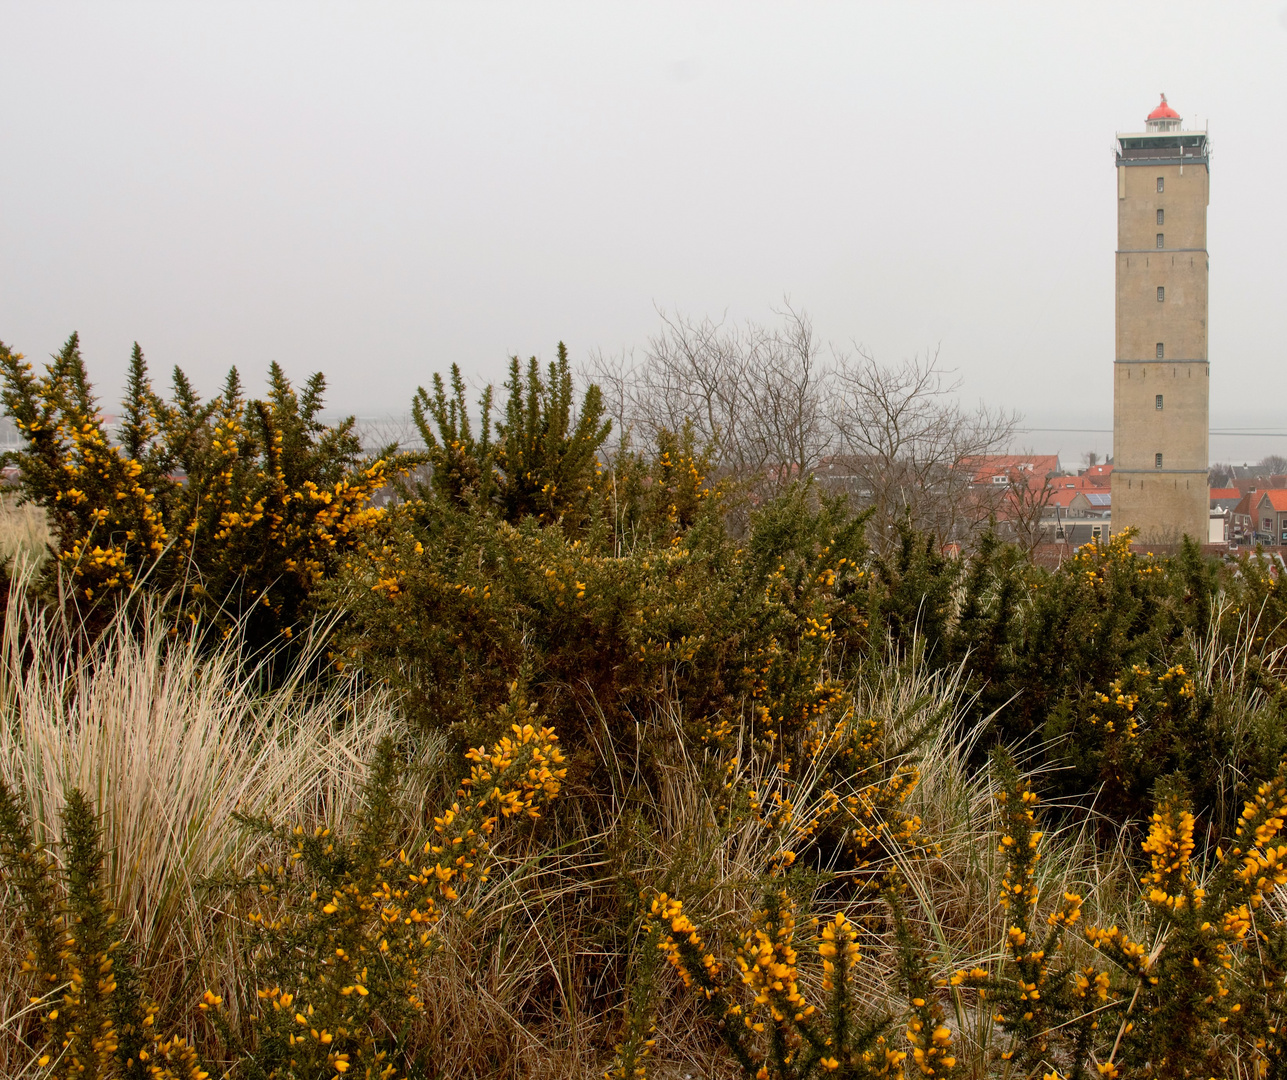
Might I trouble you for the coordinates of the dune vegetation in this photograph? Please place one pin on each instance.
(569, 762)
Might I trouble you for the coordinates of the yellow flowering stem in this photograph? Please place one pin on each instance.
(631, 1056)
(928, 1036)
(769, 966)
(683, 947)
(1034, 996)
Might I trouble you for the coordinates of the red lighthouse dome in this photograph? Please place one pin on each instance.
(1163, 118)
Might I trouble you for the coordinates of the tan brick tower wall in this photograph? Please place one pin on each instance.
(1172, 500)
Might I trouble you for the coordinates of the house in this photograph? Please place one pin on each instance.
(1076, 483)
(1030, 469)
(1061, 498)
(1100, 476)
(1252, 478)
(1065, 503)
(1225, 498)
(1242, 527)
(1270, 517)
(1078, 531)
(1223, 503)
(1087, 504)
(1076, 514)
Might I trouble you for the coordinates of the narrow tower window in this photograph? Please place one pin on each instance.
(1157, 461)
(1157, 403)
(1160, 351)
(1160, 217)
(1161, 293)
(1159, 240)
(1161, 183)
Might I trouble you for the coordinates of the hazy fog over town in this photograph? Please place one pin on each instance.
(377, 192)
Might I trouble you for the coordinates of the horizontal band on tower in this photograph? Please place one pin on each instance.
(1163, 362)
(1117, 471)
(1161, 251)
(1134, 163)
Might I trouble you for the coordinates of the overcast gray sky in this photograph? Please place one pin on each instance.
(377, 191)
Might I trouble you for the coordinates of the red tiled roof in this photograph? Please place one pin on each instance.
(1226, 493)
(1061, 497)
(1100, 475)
(985, 466)
(1076, 483)
(1277, 499)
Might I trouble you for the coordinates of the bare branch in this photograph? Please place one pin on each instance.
(906, 439)
(754, 392)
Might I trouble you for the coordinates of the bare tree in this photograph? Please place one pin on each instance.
(777, 410)
(754, 392)
(1023, 509)
(1272, 465)
(907, 440)
(1220, 475)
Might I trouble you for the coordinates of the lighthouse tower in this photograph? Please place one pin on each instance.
(1161, 378)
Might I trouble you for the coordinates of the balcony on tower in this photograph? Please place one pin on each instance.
(1163, 142)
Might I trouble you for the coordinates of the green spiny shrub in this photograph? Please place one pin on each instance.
(1199, 988)
(542, 463)
(439, 604)
(234, 508)
(92, 1018)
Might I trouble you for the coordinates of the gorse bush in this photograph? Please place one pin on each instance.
(90, 1017)
(773, 1032)
(1199, 990)
(231, 506)
(347, 923)
(1038, 996)
(1099, 664)
(1214, 953)
(543, 462)
(442, 605)
(1124, 705)
(840, 782)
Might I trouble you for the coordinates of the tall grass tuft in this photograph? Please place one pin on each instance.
(24, 534)
(168, 744)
